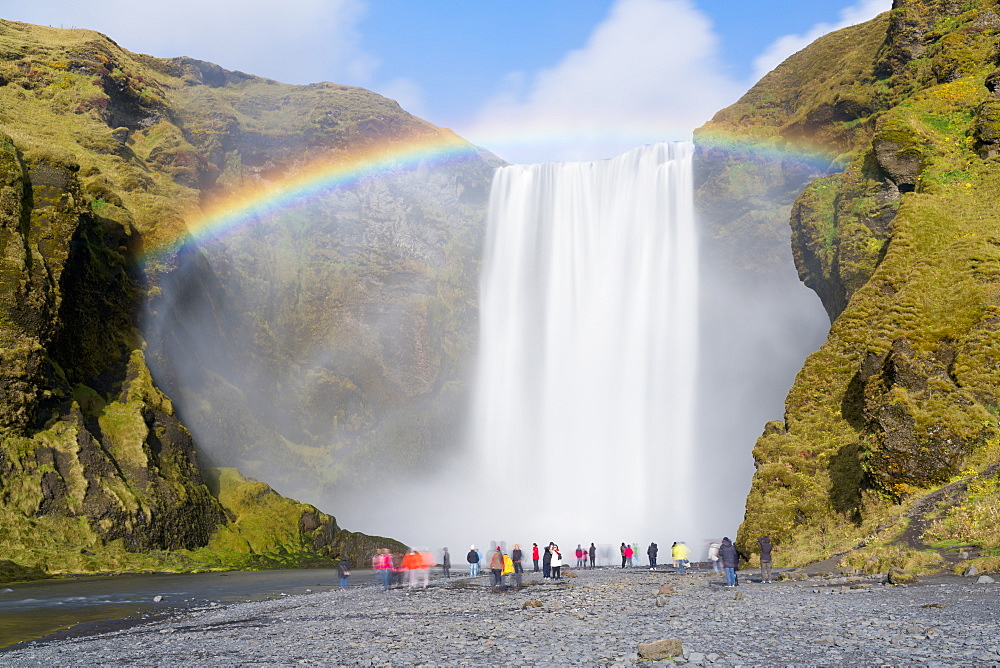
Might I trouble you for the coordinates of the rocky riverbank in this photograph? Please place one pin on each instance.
(595, 618)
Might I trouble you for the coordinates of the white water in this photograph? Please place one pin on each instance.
(584, 413)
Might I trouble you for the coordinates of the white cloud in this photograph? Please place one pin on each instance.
(294, 41)
(785, 46)
(407, 93)
(647, 73)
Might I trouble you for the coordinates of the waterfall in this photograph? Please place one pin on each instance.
(585, 391)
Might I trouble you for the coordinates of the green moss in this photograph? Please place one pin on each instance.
(901, 248)
(883, 559)
(972, 522)
(139, 145)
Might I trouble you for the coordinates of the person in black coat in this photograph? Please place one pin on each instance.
(473, 558)
(547, 562)
(446, 563)
(730, 559)
(651, 552)
(593, 555)
(343, 571)
(517, 556)
(765, 558)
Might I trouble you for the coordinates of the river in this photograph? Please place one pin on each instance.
(88, 604)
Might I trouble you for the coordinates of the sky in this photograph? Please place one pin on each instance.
(529, 80)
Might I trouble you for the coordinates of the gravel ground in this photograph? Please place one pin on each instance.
(596, 618)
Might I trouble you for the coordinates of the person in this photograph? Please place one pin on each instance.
(398, 572)
(408, 567)
(473, 558)
(713, 556)
(508, 570)
(622, 550)
(376, 566)
(534, 555)
(547, 561)
(581, 560)
(382, 564)
(344, 571)
(496, 566)
(446, 563)
(765, 558)
(651, 553)
(516, 557)
(424, 567)
(556, 562)
(629, 553)
(593, 555)
(635, 554)
(681, 555)
(730, 560)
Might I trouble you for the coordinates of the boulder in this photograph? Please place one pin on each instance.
(971, 571)
(665, 589)
(658, 650)
(985, 579)
(532, 604)
(897, 576)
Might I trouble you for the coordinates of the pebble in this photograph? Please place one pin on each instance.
(597, 620)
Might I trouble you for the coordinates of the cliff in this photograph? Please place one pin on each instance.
(106, 155)
(888, 448)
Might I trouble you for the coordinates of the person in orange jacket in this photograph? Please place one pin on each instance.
(411, 562)
(424, 570)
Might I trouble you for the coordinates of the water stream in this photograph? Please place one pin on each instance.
(82, 604)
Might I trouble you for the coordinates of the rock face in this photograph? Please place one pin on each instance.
(901, 246)
(111, 155)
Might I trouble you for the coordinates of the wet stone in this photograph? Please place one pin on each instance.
(601, 620)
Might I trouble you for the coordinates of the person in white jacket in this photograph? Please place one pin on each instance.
(713, 556)
(556, 562)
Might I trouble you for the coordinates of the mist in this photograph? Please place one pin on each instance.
(335, 352)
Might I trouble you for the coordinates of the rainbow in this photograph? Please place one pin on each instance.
(742, 145)
(266, 199)
(253, 205)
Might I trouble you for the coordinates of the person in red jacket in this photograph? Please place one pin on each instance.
(534, 555)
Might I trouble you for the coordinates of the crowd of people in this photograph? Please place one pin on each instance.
(412, 568)
(392, 569)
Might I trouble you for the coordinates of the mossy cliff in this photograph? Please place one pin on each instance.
(891, 426)
(104, 154)
(325, 349)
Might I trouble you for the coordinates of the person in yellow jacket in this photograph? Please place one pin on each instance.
(680, 553)
(508, 570)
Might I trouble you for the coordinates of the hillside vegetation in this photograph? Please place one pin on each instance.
(105, 154)
(889, 448)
